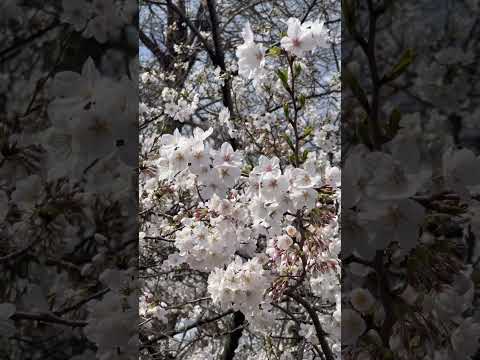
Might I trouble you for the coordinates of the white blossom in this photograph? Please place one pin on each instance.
(250, 55)
(304, 37)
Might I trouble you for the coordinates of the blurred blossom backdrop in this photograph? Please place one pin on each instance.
(226, 179)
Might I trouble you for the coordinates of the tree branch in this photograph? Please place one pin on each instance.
(47, 318)
(21, 42)
(155, 50)
(82, 302)
(309, 10)
(321, 335)
(185, 329)
(233, 338)
(194, 29)
(219, 60)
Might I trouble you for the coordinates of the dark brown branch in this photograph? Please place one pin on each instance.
(21, 252)
(309, 10)
(185, 329)
(374, 128)
(154, 48)
(82, 302)
(21, 42)
(385, 296)
(219, 60)
(194, 29)
(47, 318)
(321, 335)
(233, 337)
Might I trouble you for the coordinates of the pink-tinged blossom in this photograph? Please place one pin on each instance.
(251, 57)
(304, 37)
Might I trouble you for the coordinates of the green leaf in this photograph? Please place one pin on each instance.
(247, 169)
(283, 76)
(274, 51)
(307, 132)
(393, 123)
(302, 100)
(48, 213)
(286, 110)
(297, 70)
(363, 133)
(305, 155)
(292, 159)
(289, 141)
(387, 354)
(351, 81)
(402, 65)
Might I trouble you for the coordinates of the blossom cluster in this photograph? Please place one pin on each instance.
(100, 19)
(110, 319)
(241, 287)
(181, 109)
(301, 38)
(236, 210)
(239, 202)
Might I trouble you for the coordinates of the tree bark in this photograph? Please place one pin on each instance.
(233, 338)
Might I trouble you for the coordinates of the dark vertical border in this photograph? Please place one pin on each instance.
(410, 179)
(68, 179)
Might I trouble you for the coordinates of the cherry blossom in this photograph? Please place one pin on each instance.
(250, 55)
(304, 37)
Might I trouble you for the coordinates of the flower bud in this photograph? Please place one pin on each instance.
(291, 231)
